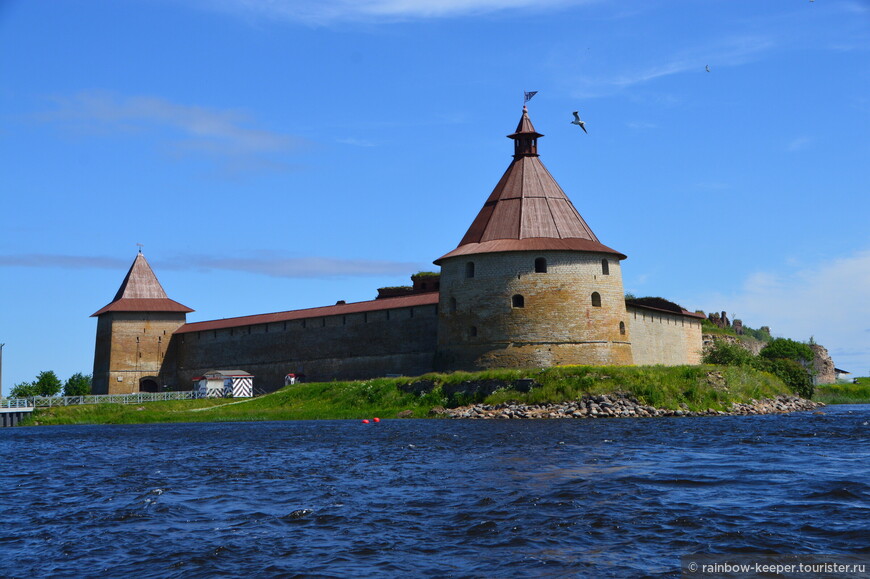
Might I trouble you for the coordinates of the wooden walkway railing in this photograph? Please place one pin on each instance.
(43, 401)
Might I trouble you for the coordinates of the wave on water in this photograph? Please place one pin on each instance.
(430, 498)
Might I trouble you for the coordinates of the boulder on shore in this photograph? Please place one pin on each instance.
(620, 405)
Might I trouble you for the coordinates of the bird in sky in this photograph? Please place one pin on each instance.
(708, 68)
(578, 122)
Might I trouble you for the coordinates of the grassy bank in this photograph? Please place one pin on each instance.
(844, 393)
(698, 387)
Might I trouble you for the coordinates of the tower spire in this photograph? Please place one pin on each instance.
(528, 210)
(141, 292)
(525, 137)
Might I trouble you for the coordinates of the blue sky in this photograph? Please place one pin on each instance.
(278, 155)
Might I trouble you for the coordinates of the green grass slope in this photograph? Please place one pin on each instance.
(698, 387)
(844, 393)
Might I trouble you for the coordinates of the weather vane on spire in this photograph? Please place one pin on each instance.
(140, 247)
(528, 96)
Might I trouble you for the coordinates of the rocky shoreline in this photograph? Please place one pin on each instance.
(619, 406)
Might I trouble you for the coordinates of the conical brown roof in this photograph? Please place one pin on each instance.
(141, 292)
(528, 210)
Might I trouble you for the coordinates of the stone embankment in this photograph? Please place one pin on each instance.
(620, 406)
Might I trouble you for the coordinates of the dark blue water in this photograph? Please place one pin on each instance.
(430, 498)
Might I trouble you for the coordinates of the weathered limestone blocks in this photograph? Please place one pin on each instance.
(504, 310)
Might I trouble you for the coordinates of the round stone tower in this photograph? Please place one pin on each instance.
(530, 285)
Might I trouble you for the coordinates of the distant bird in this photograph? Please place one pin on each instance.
(708, 68)
(578, 122)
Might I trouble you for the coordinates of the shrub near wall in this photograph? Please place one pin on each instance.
(784, 358)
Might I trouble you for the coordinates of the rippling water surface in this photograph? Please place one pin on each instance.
(430, 498)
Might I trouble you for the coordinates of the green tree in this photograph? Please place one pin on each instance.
(791, 362)
(726, 353)
(77, 385)
(47, 384)
(788, 349)
(23, 390)
(791, 372)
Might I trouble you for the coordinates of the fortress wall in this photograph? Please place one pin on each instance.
(556, 325)
(129, 347)
(339, 347)
(664, 338)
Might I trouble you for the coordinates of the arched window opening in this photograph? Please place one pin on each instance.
(596, 299)
(452, 305)
(518, 301)
(541, 265)
(622, 328)
(605, 267)
(469, 269)
(472, 331)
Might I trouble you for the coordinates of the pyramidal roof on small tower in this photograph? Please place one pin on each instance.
(527, 210)
(141, 292)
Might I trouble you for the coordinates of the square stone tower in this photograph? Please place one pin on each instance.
(133, 334)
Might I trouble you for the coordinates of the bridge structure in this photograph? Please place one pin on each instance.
(14, 410)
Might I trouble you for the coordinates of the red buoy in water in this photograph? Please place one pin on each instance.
(376, 419)
(365, 421)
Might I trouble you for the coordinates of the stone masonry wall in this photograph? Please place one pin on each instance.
(823, 365)
(481, 327)
(663, 338)
(131, 346)
(342, 347)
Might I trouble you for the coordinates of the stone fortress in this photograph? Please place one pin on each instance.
(529, 285)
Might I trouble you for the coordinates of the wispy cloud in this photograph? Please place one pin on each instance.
(48, 261)
(713, 186)
(261, 263)
(328, 11)
(182, 130)
(355, 142)
(729, 52)
(292, 267)
(827, 301)
(641, 125)
(798, 144)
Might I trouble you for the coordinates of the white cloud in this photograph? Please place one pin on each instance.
(41, 260)
(713, 185)
(642, 125)
(328, 11)
(293, 267)
(798, 144)
(726, 53)
(226, 135)
(262, 263)
(829, 301)
(355, 142)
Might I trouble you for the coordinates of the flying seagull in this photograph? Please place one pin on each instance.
(578, 122)
(708, 68)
